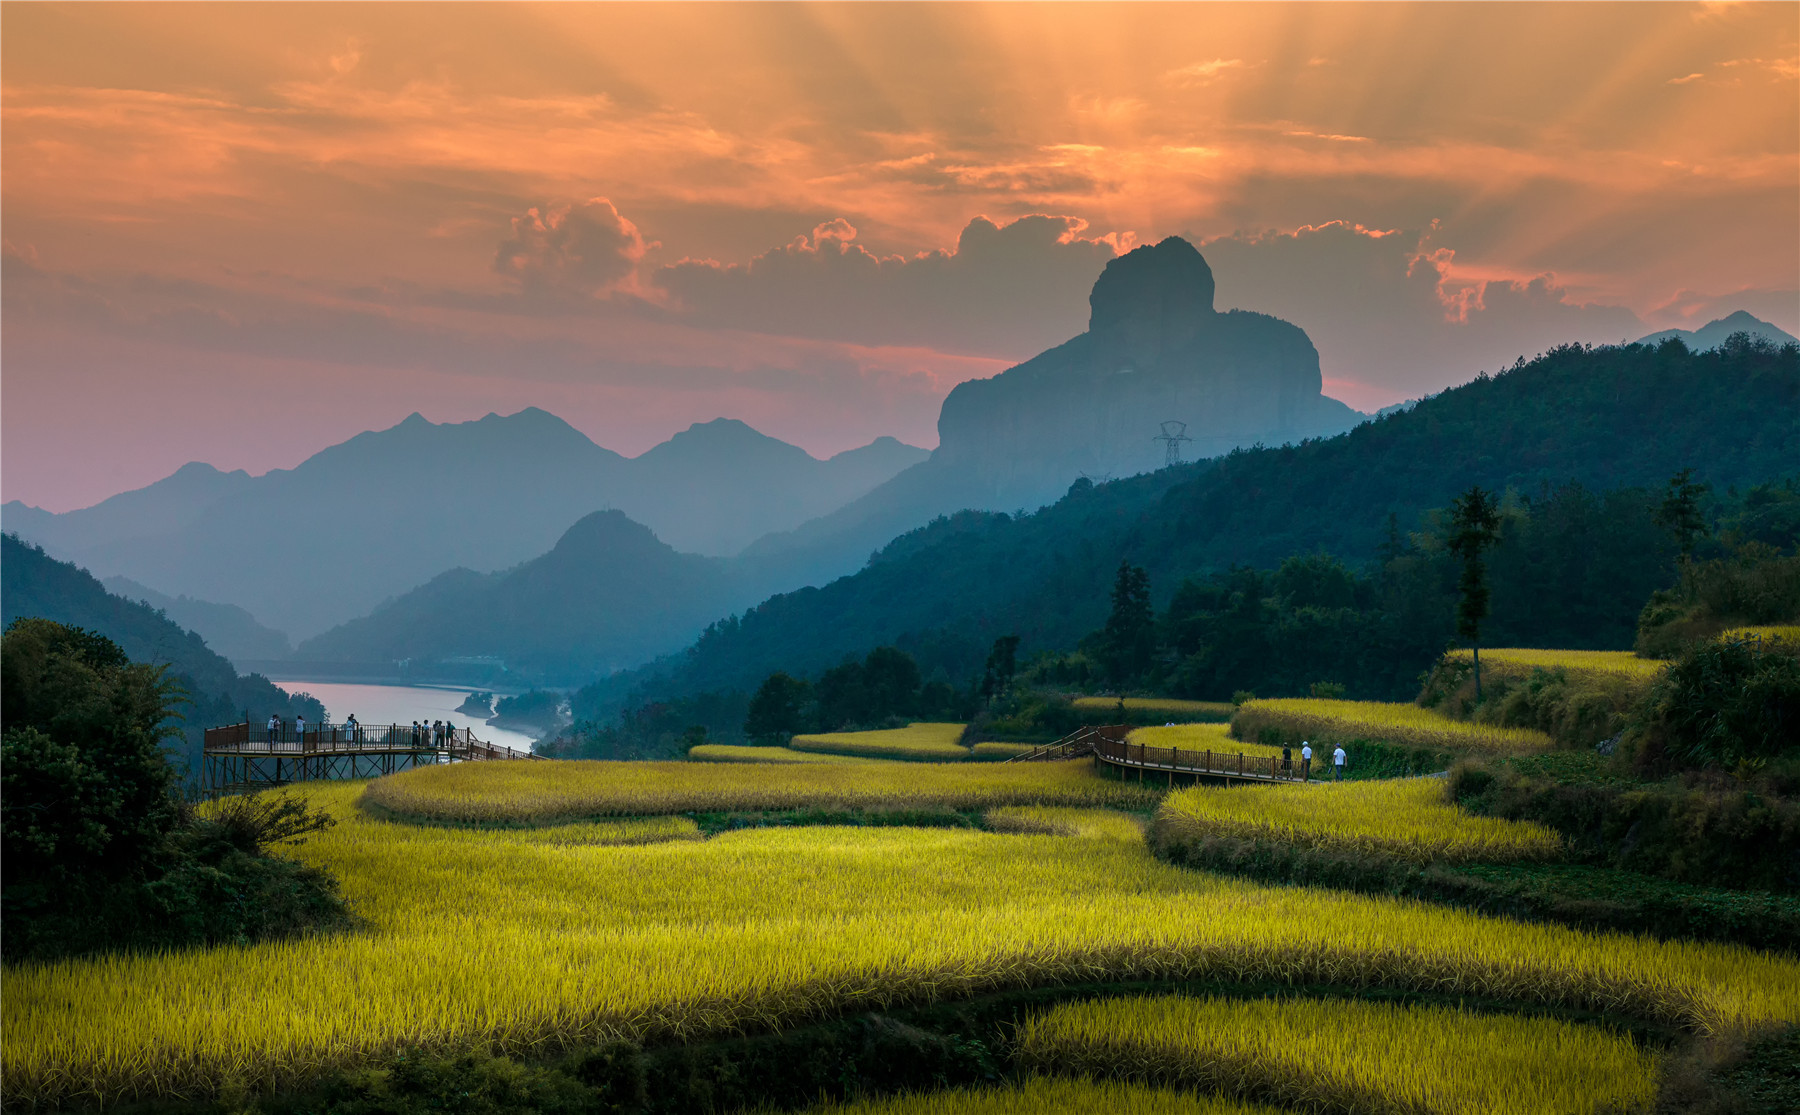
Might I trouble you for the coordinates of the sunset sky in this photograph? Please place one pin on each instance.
(239, 233)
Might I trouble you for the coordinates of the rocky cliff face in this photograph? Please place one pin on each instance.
(1155, 351)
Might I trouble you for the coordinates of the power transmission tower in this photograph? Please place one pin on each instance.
(1173, 434)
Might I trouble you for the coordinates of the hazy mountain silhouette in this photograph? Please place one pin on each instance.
(1155, 351)
(227, 628)
(608, 595)
(306, 548)
(1713, 333)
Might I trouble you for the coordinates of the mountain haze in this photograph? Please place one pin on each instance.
(306, 548)
(1715, 333)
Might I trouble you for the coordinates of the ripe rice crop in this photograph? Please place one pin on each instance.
(1408, 818)
(993, 750)
(1200, 737)
(934, 743)
(1324, 721)
(1046, 1095)
(483, 939)
(500, 793)
(732, 753)
(1601, 663)
(1210, 710)
(1345, 1054)
(1054, 820)
(1786, 633)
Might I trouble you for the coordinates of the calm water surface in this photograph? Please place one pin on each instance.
(400, 704)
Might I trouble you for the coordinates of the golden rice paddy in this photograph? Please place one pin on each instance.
(1408, 818)
(1219, 710)
(1200, 737)
(736, 753)
(934, 743)
(531, 793)
(1323, 721)
(1523, 660)
(1788, 633)
(483, 938)
(1049, 1096)
(1341, 1054)
(992, 750)
(1052, 820)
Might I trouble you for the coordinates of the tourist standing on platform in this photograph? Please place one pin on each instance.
(1337, 759)
(351, 727)
(274, 727)
(300, 728)
(1305, 760)
(1287, 760)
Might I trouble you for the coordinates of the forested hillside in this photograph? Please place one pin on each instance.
(32, 583)
(1604, 418)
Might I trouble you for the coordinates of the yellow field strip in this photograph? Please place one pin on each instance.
(526, 792)
(1787, 633)
(1042, 1095)
(1098, 824)
(993, 749)
(734, 753)
(1342, 1054)
(1324, 721)
(477, 938)
(918, 742)
(1522, 660)
(1202, 737)
(1170, 705)
(1407, 817)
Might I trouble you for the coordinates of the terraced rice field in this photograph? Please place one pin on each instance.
(922, 742)
(483, 938)
(1171, 706)
(734, 753)
(1349, 1055)
(532, 793)
(1054, 820)
(1787, 633)
(1324, 721)
(1050, 1096)
(992, 750)
(1408, 818)
(1200, 737)
(1522, 660)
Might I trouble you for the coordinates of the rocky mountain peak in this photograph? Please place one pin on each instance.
(1152, 299)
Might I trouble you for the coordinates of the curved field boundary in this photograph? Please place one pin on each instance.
(735, 753)
(922, 742)
(1348, 1055)
(1322, 721)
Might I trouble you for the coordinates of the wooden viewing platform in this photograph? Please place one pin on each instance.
(1107, 744)
(246, 757)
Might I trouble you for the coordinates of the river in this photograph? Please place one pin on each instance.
(401, 704)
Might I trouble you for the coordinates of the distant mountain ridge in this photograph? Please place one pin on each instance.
(306, 548)
(1715, 333)
(1605, 418)
(227, 628)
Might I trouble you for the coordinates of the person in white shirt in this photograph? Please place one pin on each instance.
(1305, 761)
(274, 728)
(1337, 759)
(300, 728)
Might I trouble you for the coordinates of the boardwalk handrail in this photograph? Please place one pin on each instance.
(1188, 760)
(248, 738)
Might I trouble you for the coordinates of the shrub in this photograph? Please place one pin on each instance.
(1725, 704)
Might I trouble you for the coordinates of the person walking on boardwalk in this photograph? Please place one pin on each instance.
(1337, 761)
(1287, 761)
(1305, 760)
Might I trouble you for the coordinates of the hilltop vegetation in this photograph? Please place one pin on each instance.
(1610, 420)
(212, 692)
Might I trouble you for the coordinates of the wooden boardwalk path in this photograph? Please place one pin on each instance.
(246, 757)
(1108, 745)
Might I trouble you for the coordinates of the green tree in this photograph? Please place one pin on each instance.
(1474, 527)
(891, 681)
(1002, 664)
(1679, 512)
(778, 709)
(1129, 638)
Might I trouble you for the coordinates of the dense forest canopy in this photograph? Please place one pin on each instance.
(1572, 433)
